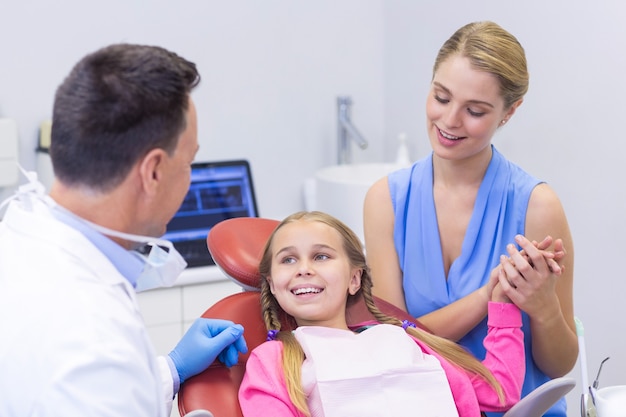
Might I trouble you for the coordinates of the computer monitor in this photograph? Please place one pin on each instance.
(218, 191)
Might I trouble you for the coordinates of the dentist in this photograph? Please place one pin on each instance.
(73, 341)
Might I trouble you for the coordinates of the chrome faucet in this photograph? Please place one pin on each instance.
(346, 129)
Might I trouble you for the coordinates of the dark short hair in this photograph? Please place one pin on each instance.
(116, 105)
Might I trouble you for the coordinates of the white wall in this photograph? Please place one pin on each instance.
(271, 72)
(272, 69)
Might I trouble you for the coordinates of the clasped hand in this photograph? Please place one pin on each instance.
(206, 340)
(528, 276)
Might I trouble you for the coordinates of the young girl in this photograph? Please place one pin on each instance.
(313, 266)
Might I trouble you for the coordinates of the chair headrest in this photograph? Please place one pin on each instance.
(236, 246)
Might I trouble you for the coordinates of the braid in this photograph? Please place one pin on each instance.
(269, 308)
(293, 355)
(366, 290)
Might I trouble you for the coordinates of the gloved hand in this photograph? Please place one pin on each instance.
(206, 340)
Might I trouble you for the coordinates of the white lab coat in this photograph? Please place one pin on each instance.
(72, 339)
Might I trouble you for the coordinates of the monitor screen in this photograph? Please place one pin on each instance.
(218, 191)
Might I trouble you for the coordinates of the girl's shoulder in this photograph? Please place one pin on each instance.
(268, 349)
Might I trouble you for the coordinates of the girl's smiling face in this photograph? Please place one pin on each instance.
(311, 275)
(463, 110)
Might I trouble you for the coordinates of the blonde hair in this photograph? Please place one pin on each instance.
(293, 355)
(492, 49)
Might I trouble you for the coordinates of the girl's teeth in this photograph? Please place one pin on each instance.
(306, 291)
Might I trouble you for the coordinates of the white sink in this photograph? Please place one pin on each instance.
(340, 190)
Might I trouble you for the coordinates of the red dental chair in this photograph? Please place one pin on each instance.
(236, 246)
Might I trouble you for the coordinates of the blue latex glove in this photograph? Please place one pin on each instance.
(206, 340)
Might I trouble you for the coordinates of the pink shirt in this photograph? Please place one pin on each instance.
(263, 391)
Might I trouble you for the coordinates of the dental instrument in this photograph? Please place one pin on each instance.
(587, 408)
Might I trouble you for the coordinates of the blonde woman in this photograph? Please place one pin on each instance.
(435, 230)
(313, 266)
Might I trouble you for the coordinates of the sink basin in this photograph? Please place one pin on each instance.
(340, 190)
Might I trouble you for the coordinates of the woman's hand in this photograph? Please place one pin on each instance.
(553, 258)
(528, 276)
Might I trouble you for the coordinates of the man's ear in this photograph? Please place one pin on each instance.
(151, 170)
(355, 281)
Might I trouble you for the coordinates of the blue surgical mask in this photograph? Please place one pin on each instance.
(162, 267)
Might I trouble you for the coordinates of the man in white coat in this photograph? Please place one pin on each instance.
(72, 339)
